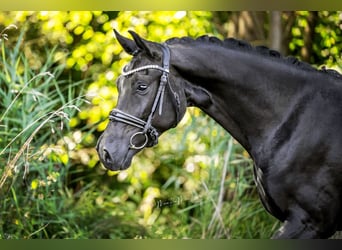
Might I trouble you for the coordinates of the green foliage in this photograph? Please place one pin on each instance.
(327, 38)
(35, 109)
(57, 86)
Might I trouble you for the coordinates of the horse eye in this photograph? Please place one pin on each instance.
(142, 87)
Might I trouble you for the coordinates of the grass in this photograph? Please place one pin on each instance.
(35, 108)
(205, 177)
(226, 204)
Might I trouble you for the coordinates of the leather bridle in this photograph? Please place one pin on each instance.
(148, 131)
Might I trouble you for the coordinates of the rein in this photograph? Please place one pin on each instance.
(148, 131)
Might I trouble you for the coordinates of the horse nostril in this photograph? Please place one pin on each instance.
(106, 156)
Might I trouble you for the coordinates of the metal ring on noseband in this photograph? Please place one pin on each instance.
(132, 146)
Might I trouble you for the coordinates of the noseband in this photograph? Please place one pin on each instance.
(148, 131)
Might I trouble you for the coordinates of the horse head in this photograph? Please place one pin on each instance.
(150, 102)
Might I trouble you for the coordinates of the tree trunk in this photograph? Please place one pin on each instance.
(276, 32)
(245, 25)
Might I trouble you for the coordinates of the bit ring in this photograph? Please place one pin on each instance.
(132, 146)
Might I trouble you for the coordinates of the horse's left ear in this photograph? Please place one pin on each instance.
(142, 44)
(127, 44)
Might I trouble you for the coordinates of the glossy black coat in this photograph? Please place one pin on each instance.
(285, 113)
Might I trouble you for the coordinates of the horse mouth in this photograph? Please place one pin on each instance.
(115, 162)
(119, 158)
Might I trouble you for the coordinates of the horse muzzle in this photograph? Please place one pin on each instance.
(115, 154)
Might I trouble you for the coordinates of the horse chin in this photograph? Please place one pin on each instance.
(120, 167)
(119, 163)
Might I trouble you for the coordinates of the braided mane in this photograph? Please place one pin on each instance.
(232, 43)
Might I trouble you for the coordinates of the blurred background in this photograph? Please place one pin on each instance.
(57, 87)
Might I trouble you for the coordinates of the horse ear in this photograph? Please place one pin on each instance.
(127, 44)
(141, 43)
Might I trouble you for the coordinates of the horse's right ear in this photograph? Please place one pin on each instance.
(127, 44)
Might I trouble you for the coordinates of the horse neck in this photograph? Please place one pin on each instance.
(243, 88)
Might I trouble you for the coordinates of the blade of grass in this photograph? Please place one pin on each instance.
(20, 92)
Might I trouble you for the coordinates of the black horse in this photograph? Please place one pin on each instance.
(285, 113)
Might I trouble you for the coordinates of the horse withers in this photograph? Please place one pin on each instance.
(285, 113)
